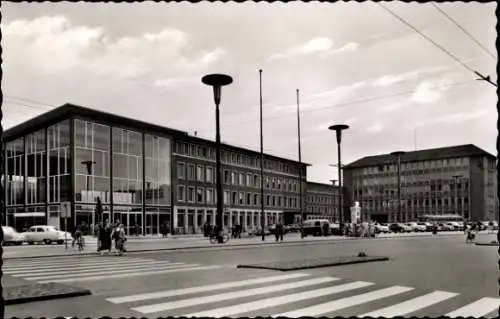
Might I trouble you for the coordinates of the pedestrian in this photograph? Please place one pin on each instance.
(278, 231)
(100, 236)
(239, 230)
(119, 236)
(106, 238)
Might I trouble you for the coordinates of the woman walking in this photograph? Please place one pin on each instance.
(119, 236)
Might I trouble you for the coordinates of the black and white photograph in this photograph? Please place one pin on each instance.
(253, 159)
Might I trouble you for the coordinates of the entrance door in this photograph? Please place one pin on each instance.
(152, 224)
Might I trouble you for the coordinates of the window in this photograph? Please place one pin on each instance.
(234, 176)
(191, 172)
(190, 195)
(241, 198)
(209, 174)
(255, 199)
(234, 198)
(227, 178)
(181, 193)
(274, 200)
(268, 200)
(181, 170)
(200, 173)
(249, 199)
(256, 181)
(226, 198)
(242, 179)
(199, 195)
(209, 196)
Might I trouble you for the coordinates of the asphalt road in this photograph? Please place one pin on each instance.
(426, 276)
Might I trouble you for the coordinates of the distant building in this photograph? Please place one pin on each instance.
(322, 201)
(458, 181)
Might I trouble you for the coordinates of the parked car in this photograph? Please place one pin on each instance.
(11, 236)
(315, 227)
(45, 234)
(455, 225)
(381, 228)
(416, 227)
(397, 228)
(428, 226)
(293, 228)
(445, 227)
(258, 231)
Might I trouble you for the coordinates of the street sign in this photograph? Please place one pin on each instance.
(65, 209)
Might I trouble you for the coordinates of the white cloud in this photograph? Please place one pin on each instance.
(426, 93)
(314, 46)
(375, 128)
(69, 46)
(387, 80)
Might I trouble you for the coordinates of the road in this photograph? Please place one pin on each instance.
(426, 276)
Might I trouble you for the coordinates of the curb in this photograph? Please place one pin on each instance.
(344, 239)
(24, 294)
(487, 244)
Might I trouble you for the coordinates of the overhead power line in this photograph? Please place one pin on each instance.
(437, 45)
(463, 30)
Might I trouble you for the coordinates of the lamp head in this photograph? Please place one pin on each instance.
(338, 128)
(217, 81)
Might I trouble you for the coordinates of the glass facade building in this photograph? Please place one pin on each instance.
(83, 156)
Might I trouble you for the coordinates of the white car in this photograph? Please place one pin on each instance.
(45, 234)
(11, 236)
(381, 228)
(416, 227)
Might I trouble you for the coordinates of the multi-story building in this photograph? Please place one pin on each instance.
(458, 181)
(144, 174)
(322, 201)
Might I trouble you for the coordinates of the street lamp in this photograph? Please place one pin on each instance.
(338, 131)
(262, 221)
(88, 165)
(457, 178)
(217, 81)
(398, 154)
(2, 211)
(333, 199)
(300, 170)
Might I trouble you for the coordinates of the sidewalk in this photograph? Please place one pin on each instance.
(198, 243)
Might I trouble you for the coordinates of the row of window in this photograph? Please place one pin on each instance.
(233, 157)
(201, 195)
(318, 199)
(415, 202)
(205, 173)
(442, 163)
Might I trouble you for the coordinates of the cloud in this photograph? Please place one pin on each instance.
(175, 82)
(166, 51)
(315, 46)
(375, 128)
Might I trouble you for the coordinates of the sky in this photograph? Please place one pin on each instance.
(353, 63)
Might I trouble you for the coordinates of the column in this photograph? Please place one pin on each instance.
(174, 225)
(265, 218)
(245, 219)
(230, 220)
(238, 217)
(195, 221)
(186, 226)
(204, 216)
(214, 215)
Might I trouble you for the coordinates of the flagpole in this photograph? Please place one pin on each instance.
(300, 169)
(262, 220)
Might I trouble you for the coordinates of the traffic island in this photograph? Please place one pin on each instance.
(315, 263)
(491, 243)
(38, 292)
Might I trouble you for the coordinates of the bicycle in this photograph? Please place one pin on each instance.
(80, 242)
(214, 240)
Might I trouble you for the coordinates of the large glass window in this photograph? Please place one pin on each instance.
(158, 187)
(92, 170)
(36, 164)
(59, 162)
(127, 167)
(15, 172)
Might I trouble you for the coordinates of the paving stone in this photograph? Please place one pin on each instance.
(314, 263)
(36, 292)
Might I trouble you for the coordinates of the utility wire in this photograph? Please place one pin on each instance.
(11, 97)
(463, 30)
(482, 77)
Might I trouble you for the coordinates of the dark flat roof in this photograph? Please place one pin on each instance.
(321, 184)
(467, 150)
(67, 110)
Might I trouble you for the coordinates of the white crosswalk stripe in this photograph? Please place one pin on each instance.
(298, 296)
(62, 270)
(476, 309)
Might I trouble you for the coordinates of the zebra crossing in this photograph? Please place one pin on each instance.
(301, 295)
(81, 269)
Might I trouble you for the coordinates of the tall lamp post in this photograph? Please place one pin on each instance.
(333, 199)
(2, 211)
(300, 170)
(338, 128)
(456, 178)
(262, 221)
(398, 154)
(88, 165)
(217, 81)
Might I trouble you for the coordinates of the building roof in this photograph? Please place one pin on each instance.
(467, 150)
(67, 110)
(320, 184)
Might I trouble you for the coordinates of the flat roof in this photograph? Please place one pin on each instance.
(467, 150)
(68, 110)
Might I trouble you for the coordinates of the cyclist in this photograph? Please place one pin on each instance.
(78, 235)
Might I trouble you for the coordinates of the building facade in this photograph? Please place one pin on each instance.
(322, 201)
(456, 181)
(143, 174)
